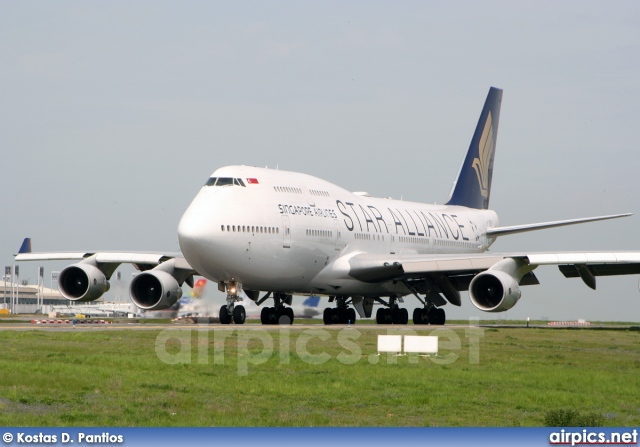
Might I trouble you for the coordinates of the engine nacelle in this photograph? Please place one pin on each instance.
(82, 282)
(155, 290)
(494, 291)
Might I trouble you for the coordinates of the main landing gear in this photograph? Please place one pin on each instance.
(279, 313)
(430, 314)
(341, 314)
(393, 314)
(389, 313)
(421, 315)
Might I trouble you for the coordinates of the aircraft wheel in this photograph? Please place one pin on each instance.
(432, 315)
(437, 316)
(288, 312)
(273, 315)
(404, 316)
(380, 315)
(399, 315)
(442, 317)
(420, 316)
(239, 315)
(264, 315)
(352, 315)
(225, 317)
(327, 315)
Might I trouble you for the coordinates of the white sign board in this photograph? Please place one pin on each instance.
(390, 343)
(420, 344)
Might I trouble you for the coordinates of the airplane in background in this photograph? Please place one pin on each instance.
(283, 233)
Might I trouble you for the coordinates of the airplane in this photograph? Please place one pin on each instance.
(280, 233)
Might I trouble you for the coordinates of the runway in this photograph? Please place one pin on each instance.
(259, 327)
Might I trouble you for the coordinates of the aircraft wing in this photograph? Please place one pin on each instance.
(450, 274)
(157, 287)
(142, 261)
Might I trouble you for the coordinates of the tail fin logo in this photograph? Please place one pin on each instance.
(482, 163)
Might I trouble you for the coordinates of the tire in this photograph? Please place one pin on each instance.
(225, 318)
(432, 315)
(380, 315)
(239, 315)
(288, 312)
(327, 315)
(417, 316)
(437, 316)
(272, 315)
(264, 315)
(399, 315)
(404, 316)
(442, 317)
(351, 316)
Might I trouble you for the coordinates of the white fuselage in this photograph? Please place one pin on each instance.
(293, 233)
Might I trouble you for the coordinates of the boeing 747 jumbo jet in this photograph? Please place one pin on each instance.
(255, 231)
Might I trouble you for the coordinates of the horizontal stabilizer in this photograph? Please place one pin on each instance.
(503, 231)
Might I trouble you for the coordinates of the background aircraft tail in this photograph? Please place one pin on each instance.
(473, 185)
(312, 301)
(26, 246)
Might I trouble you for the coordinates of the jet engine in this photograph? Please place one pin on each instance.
(82, 282)
(494, 291)
(155, 290)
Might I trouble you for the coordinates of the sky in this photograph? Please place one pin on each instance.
(113, 114)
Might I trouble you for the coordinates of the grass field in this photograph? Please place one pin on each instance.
(316, 377)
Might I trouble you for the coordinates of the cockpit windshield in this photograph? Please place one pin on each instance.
(224, 181)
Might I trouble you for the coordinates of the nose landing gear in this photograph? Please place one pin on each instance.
(230, 312)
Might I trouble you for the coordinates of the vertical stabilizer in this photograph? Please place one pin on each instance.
(473, 185)
(26, 246)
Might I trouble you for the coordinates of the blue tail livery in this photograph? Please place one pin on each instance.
(473, 185)
(26, 246)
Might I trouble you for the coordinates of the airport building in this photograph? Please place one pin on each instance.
(34, 299)
(28, 298)
(19, 297)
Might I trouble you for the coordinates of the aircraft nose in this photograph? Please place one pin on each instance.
(194, 234)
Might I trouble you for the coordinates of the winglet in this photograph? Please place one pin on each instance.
(26, 246)
(473, 184)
